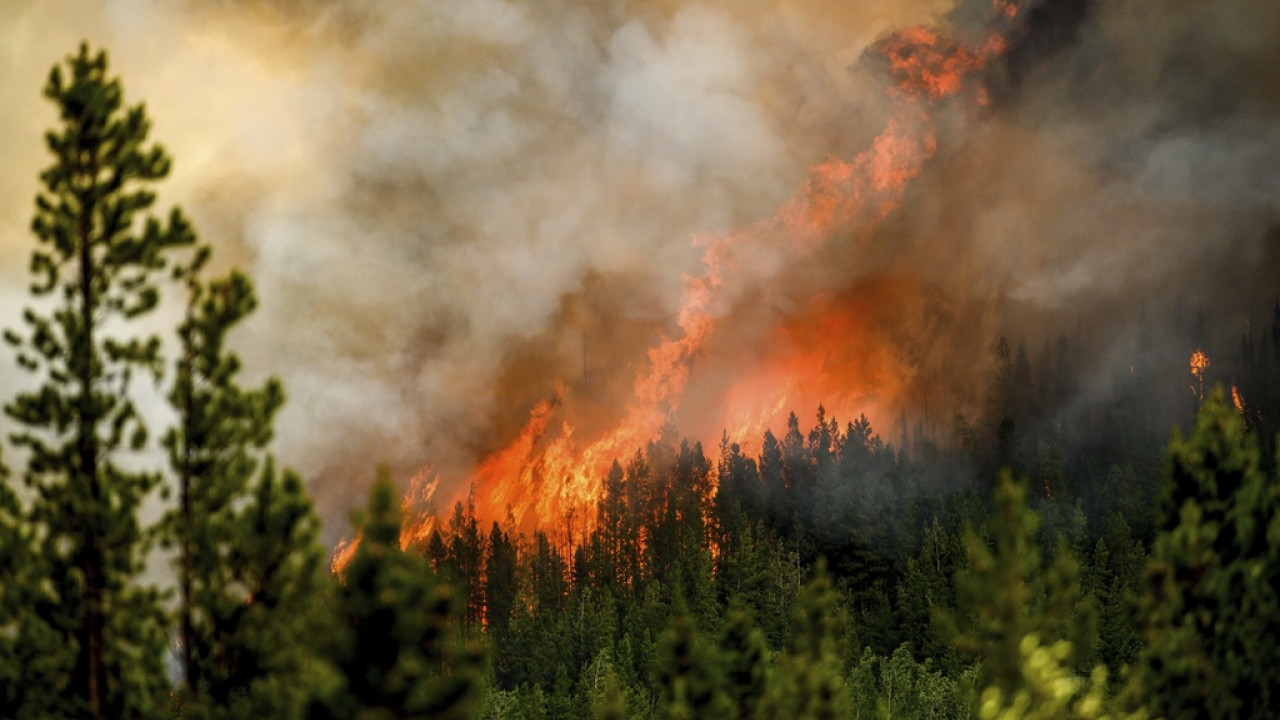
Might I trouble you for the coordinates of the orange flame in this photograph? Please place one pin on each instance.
(1199, 363)
(544, 476)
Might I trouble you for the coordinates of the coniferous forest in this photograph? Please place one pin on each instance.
(1015, 566)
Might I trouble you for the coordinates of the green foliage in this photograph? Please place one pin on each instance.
(688, 674)
(808, 683)
(258, 611)
(1007, 594)
(1212, 612)
(926, 589)
(249, 566)
(580, 624)
(898, 686)
(1047, 688)
(397, 649)
(744, 656)
(93, 270)
(33, 658)
(612, 704)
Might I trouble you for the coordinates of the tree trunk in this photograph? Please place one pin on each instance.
(91, 670)
(184, 489)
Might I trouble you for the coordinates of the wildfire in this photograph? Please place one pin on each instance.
(1199, 363)
(1237, 399)
(545, 475)
(418, 501)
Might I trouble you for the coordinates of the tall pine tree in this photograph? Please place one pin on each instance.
(32, 657)
(93, 274)
(244, 555)
(1211, 613)
(250, 569)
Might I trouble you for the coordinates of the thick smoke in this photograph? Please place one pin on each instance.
(1130, 164)
(450, 208)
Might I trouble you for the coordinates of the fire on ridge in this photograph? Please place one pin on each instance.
(545, 473)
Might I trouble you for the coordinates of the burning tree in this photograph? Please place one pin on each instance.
(1199, 363)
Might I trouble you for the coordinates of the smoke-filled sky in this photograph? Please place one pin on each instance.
(451, 208)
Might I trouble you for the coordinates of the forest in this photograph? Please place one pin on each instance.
(1017, 565)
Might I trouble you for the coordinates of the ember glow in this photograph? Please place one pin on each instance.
(1199, 363)
(826, 354)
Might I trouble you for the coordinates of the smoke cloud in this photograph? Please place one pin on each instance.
(451, 209)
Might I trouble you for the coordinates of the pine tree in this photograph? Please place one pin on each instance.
(744, 657)
(615, 525)
(466, 562)
(611, 705)
(397, 649)
(213, 451)
(33, 657)
(1212, 608)
(739, 497)
(808, 683)
(1003, 594)
(1027, 624)
(94, 273)
(688, 673)
(925, 589)
(263, 605)
(500, 585)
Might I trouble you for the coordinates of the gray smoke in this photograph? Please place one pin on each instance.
(450, 207)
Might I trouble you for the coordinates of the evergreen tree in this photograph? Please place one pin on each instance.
(260, 609)
(777, 496)
(739, 497)
(925, 589)
(797, 478)
(611, 705)
(466, 562)
(744, 656)
(95, 266)
(500, 585)
(614, 522)
(1212, 610)
(808, 683)
(213, 448)
(688, 673)
(1000, 592)
(33, 657)
(1027, 624)
(397, 649)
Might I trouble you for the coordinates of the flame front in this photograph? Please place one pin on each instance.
(544, 476)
